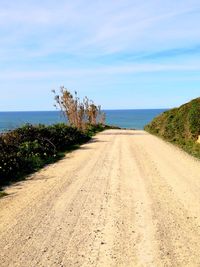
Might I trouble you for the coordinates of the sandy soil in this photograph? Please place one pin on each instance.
(125, 199)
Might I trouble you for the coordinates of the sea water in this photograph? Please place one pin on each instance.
(132, 119)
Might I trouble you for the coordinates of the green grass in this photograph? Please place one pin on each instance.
(180, 126)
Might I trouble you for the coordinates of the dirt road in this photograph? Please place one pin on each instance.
(125, 199)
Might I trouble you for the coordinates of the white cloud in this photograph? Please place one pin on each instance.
(98, 27)
(105, 71)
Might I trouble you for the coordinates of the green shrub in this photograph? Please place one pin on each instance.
(180, 126)
(28, 148)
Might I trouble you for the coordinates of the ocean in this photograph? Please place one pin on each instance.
(136, 118)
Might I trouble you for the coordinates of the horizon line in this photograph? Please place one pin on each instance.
(2, 111)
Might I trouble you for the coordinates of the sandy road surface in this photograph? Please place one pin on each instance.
(124, 199)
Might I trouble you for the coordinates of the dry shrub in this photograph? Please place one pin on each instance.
(79, 113)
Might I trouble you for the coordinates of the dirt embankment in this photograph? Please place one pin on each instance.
(124, 199)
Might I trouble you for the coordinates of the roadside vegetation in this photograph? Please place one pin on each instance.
(180, 126)
(28, 148)
(78, 113)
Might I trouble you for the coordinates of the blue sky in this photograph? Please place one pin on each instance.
(121, 53)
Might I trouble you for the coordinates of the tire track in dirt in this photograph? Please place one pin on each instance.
(125, 199)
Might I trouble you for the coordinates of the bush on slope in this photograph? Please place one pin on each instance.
(180, 126)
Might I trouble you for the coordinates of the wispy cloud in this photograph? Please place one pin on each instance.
(97, 28)
(162, 55)
(70, 40)
(107, 70)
